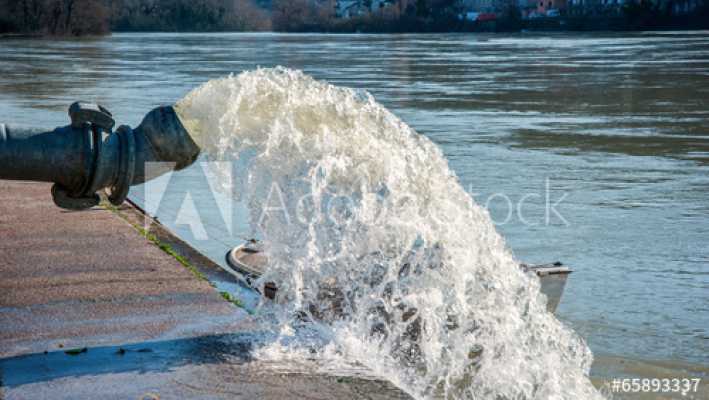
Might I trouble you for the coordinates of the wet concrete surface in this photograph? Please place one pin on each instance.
(89, 308)
(207, 367)
(71, 279)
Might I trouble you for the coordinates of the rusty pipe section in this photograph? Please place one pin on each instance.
(87, 155)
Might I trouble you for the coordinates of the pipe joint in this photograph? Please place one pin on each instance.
(90, 122)
(87, 155)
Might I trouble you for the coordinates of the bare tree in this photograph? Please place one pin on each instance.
(27, 14)
(75, 17)
(55, 17)
(6, 23)
(88, 17)
(291, 15)
(302, 15)
(245, 15)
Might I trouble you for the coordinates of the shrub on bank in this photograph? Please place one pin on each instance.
(54, 17)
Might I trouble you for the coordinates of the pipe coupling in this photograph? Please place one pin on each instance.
(87, 155)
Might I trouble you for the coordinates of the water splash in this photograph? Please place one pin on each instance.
(370, 234)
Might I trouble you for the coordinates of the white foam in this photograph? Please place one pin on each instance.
(360, 204)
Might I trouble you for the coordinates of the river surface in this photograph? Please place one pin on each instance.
(591, 149)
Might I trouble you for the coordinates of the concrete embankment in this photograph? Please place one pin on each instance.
(91, 306)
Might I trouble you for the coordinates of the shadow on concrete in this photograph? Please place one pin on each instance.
(206, 367)
(158, 356)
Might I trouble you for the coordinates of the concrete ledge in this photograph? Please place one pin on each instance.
(77, 279)
(93, 305)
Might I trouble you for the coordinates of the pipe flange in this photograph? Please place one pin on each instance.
(126, 169)
(88, 120)
(62, 199)
(92, 148)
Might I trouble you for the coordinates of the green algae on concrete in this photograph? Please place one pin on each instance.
(86, 279)
(233, 300)
(154, 239)
(168, 249)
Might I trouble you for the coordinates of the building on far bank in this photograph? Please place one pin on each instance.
(616, 7)
(356, 8)
(350, 8)
(479, 6)
(545, 6)
(684, 7)
(479, 10)
(486, 6)
(542, 8)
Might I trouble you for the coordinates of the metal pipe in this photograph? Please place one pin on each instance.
(87, 156)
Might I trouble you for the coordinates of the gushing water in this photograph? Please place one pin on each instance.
(371, 236)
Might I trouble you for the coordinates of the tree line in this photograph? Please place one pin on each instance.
(95, 17)
(54, 17)
(395, 16)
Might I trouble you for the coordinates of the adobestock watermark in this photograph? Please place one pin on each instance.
(200, 201)
(544, 207)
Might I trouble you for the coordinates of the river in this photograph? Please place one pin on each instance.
(591, 149)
